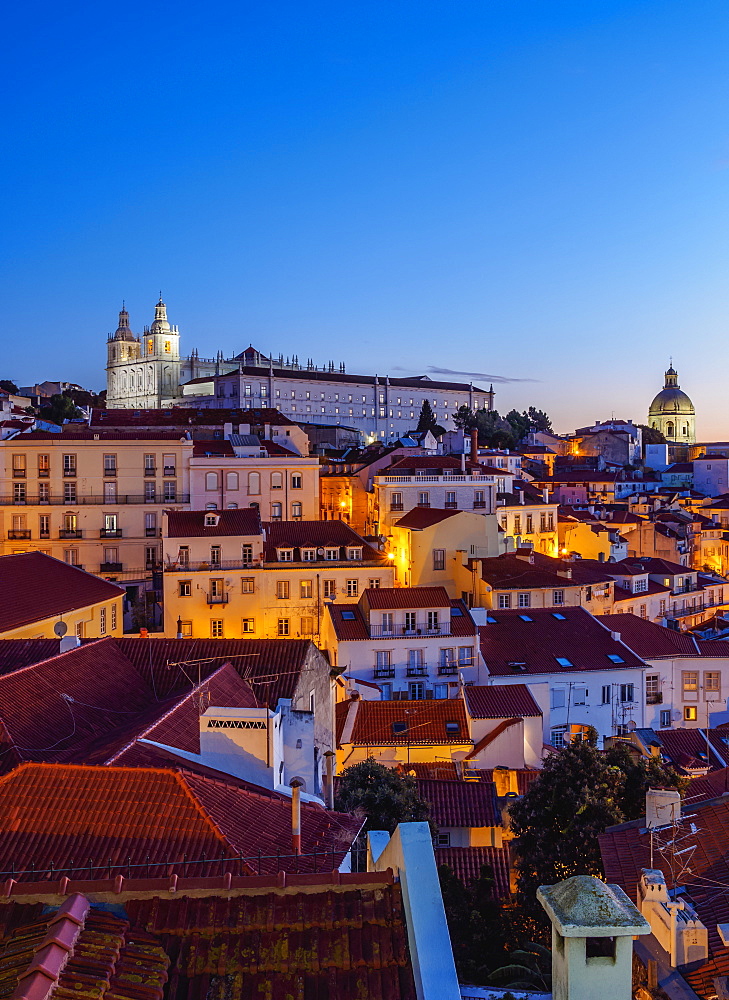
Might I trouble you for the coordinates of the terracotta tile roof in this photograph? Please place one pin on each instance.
(425, 517)
(377, 723)
(445, 770)
(277, 450)
(713, 647)
(709, 786)
(461, 803)
(213, 449)
(191, 523)
(338, 936)
(316, 534)
(512, 645)
(37, 586)
(687, 747)
(387, 598)
(500, 701)
(625, 850)
(649, 640)
(74, 435)
(17, 653)
(59, 815)
(621, 594)
(512, 572)
(467, 863)
(349, 628)
(181, 416)
(77, 950)
(279, 661)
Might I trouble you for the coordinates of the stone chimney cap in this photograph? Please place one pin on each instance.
(583, 906)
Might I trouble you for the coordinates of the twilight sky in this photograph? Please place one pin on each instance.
(532, 189)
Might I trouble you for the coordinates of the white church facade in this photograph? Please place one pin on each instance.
(147, 372)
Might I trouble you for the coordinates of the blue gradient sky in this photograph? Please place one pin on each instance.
(531, 189)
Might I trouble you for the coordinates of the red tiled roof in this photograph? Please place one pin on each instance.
(387, 598)
(356, 628)
(467, 862)
(37, 586)
(213, 449)
(713, 647)
(191, 523)
(17, 653)
(335, 936)
(77, 950)
(461, 803)
(73, 434)
(500, 701)
(625, 850)
(511, 645)
(425, 720)
(687, 747)
(649, 640)
(425, 517)
(275, 449)
(316, 534)
(512, 572)
(708, 786)
(279, 662)
(180, 416)
(445, 770)
(435, 462)
(58, 814)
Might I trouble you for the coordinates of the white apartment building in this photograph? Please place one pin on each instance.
(441, 482)
(411, 642)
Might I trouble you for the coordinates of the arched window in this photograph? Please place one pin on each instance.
(211, 480)
(276, 511)
(211, 506)
(254, 484)
(276, 481)
(232, 506)
(296, 509)
(669, 429)
(254, 505)
(231, 480)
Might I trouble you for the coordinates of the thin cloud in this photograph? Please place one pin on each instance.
(474, 375)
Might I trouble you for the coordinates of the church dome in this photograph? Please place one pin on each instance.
(671, 399)
(124, 331)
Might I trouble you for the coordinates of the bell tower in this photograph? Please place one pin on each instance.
(122, 350)
(160, 352)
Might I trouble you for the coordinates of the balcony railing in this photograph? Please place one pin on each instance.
(420, 671)
(110, 533)
(150, 470)
(70, 533)
(169, 470)
(218, 598)
(18, 533)
(396, 506)
(381, 672)
(448, 670)
(451, 504)
(110, 472)
(111, 567)
(151, 532)
(44, 473)
(90, 500)
(654, 698)
(69, 473)
(400, 631)
(479, 504)
(18, 473)
(190, 565)
(423, 503)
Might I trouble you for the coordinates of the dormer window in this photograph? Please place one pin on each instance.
(285, 555)
(354, 552)
(331, 554)
(308, 555)
(452, 728)
(640, 586)
(211, 520)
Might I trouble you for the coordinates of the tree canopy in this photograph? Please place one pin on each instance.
(495, 431)
(384, 796)
(59, 408)
(579, 792)
(427, 420)
(8, 386)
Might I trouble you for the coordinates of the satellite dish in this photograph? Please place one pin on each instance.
(632, 726)
(60, 628)
(675, 715)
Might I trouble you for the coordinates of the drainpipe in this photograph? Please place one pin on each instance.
(296, 815)
(329, 758)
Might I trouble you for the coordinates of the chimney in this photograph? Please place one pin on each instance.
(463, 462)
(296, 816)
(474, 444)
(522, 498)
(179, 628)
(545, 495)
(616, 636)
(329, 759)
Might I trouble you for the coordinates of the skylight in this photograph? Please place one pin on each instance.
(614, 658)
(399, 727)
(348, 616)
(526, 618)
(456, 611)
(563, 661)
(558, 616)
(453, 728)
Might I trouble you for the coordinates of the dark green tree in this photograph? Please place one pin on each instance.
(476, 925)
(520, 424)
(538, 419)
(464, 418)
(382, 795)
(651, 435)
(426, 420)
(557, 822)
(639, 775)
(60, 408)
(8, 386)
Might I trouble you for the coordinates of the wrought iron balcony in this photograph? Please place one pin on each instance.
(451, 504)
(150, 470)
(396, 506)
(110, 533)
(18, 534)
(70, 533)
(110, 471)
(93, 500)
(405, 631)
(111, 567)
(382, 672)
(654, 698)
(448, 670)
(419, 671)
(218, 598)
(18, 473)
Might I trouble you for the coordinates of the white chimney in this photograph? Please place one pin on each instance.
(69, 642)
(662, 807)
